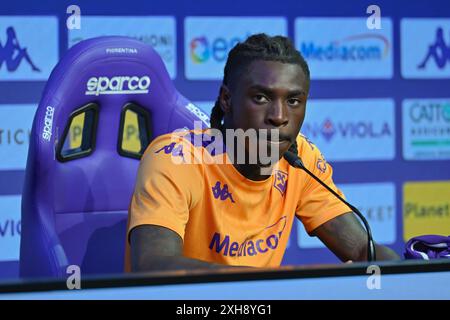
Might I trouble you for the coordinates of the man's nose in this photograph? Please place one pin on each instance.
(278, 114)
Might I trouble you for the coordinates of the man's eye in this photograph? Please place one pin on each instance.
(294, 102)
(259, 98)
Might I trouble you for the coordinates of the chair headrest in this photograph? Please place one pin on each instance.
(111, 72)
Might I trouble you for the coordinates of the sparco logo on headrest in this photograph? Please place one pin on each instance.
(117, 85)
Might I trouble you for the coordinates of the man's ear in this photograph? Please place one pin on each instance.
(225, 99)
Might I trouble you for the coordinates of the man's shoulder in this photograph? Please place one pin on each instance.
(311, 155)
(185, 147)
(306, 148)
(169, 141)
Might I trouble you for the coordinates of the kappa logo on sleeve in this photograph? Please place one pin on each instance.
(310, 143)
(173, 148)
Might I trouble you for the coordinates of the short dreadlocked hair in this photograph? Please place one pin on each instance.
(256, 47)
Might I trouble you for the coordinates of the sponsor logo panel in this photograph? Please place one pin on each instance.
(426, 129)
(343, 48)
(209, 39)
(376, 201)
(426, 208)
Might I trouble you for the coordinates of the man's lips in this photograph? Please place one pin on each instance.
(278, 141)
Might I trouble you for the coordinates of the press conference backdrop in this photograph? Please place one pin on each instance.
(379, 106)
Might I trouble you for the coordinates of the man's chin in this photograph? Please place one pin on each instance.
(272, 162)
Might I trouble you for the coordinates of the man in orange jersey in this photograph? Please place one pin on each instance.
(224, 212)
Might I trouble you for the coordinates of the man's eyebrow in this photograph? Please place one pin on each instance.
(270, 90)
(297, 93)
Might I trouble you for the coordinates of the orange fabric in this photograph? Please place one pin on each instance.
(222, 216)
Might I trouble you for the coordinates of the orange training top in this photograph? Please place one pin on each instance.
(222, 216)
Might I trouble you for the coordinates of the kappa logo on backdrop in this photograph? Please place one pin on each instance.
(438, 51)
(12, 54)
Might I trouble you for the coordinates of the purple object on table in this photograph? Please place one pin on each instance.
(75, 212)
(428, 247)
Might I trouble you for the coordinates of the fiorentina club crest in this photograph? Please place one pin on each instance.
(280, 181)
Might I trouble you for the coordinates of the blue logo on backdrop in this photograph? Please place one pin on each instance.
(438, 51)
(346, 50)
(10, 227)
(12, 54)
(156, 31)
(376, 201)
(202, 49)
(360, 129)
(425, 45)
(426, 129)
(205, 52)
(22, 55)
(343, 48)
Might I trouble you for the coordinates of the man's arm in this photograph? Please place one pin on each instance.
(347, 238)
(157, 248)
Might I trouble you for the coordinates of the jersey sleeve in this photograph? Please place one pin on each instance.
(317, 205)
(167, 187)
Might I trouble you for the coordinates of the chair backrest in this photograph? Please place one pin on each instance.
(79, 178)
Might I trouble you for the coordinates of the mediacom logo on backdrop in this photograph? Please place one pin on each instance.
(348, 49)
(343, 47)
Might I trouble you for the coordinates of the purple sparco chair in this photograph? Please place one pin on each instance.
(76, 196)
